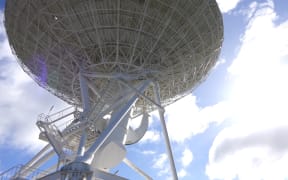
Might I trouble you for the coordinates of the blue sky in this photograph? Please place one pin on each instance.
(233, 126)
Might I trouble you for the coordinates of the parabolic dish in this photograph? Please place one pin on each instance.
(174, 42)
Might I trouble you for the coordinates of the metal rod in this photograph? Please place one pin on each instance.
(37, 164)
(165, 133)
(81, 147)
(84, 93)
(85, 104)
(115, 121)
(56, 113)
(135, 168)
(34, 160)
(101, 114)
(139, 93)
(62, 117)
(37, 156)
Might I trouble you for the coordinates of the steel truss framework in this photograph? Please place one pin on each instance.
(102, 56)
(174, 42)
(85, 133)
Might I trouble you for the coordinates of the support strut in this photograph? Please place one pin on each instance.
(165, 133)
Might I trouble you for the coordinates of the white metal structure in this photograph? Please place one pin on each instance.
(114, 60)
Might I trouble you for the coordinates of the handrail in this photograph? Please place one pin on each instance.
(15, 172)
(14, 167)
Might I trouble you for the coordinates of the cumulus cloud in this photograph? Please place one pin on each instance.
(151, 136)
(219, 63)
(255, 147)
(271, 138)
(161, 164)
(182, 173)
(187, 157)
(260, 154)
(4, 45)
(185, 118)
(148, 152)
(2, 28)
(21, 100)
(227, 6)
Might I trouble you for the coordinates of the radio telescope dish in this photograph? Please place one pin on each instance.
(102, 56)
(175, 43)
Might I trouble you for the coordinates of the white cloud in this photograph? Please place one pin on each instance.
(182, 173)
(5, 51)
(2, 28)
(162, 166)
(227, 5)
(219, 62)
(255, 147)
(261, 70)
(185, 118)
(186, 160)
(148, 152)
(248, 12)
(187, 157)
(150, 136)
(21, 100)
(160, 163)
(249, 154)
